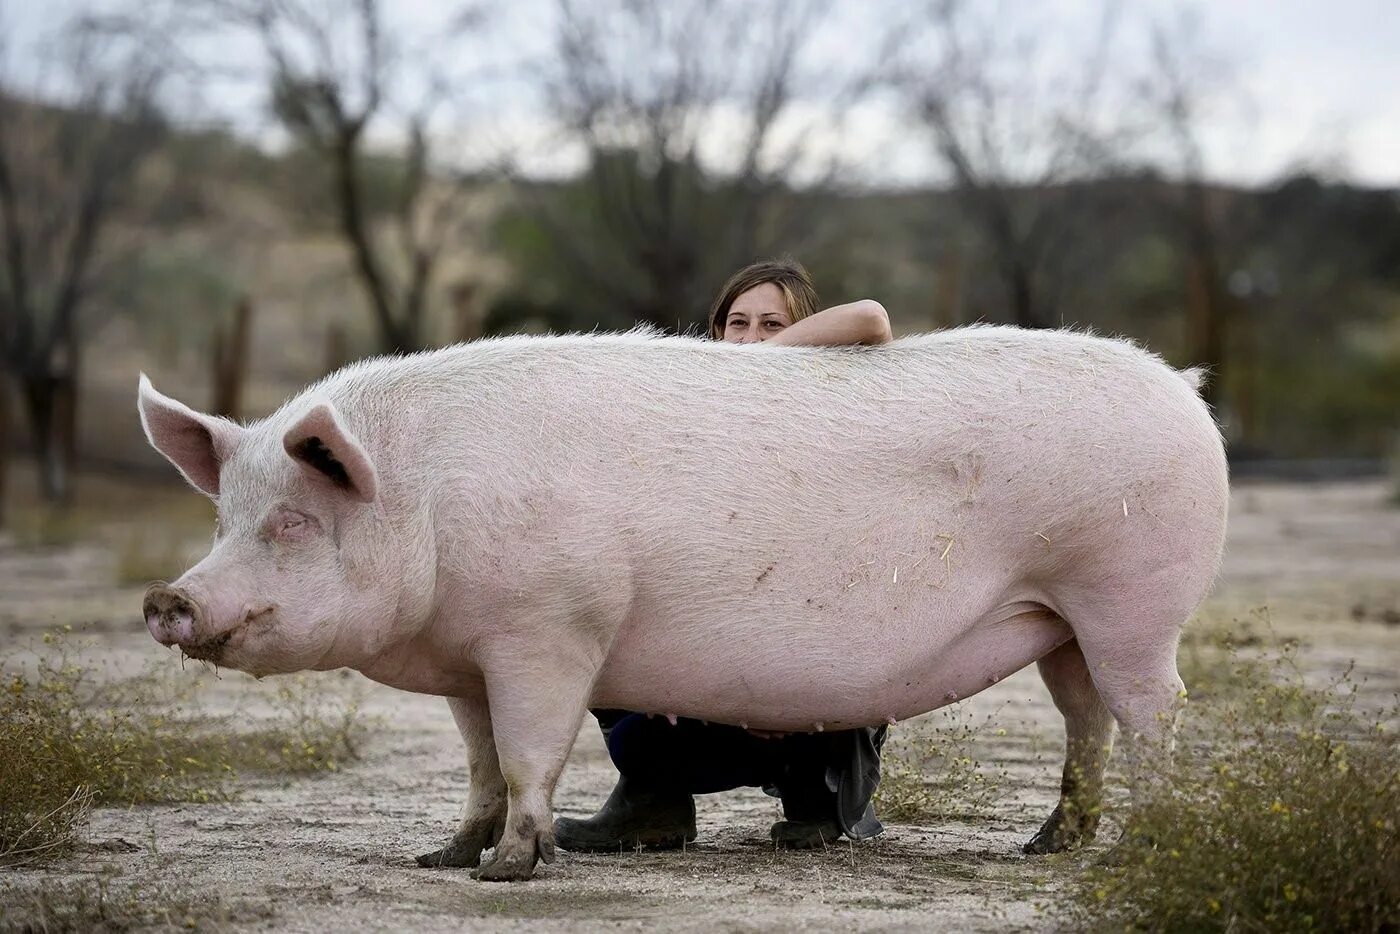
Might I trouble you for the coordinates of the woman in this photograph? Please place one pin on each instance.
(825, 780)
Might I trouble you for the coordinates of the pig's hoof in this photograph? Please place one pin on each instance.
(1061, 833)
(508, 867)
(463, 851)
(1129, 847)
(805, 835)
(453, 856)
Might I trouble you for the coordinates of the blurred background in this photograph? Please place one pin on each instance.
(238, 196)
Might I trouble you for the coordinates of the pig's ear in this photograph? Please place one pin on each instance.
(325, 450)
(197, 444)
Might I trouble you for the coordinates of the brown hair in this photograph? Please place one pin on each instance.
(785, 272)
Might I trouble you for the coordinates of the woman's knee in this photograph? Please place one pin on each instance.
(640, 745)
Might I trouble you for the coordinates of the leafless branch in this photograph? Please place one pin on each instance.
(66, 163)
(646, 92)
(332, 68)
(1011, 148)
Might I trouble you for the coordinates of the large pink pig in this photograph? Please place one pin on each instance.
(787, 538)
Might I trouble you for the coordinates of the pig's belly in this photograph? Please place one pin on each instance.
(830, 679)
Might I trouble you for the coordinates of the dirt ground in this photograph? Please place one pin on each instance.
(1321, 562)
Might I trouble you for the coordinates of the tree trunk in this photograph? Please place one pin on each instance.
(39, 397)
(468, 311)
(947, 289)
(1206, 324)
(5, 442)
(1243, 339)
(1023, 298)
(65, 440)
(230, 364)
(336, 353)
(395, 336)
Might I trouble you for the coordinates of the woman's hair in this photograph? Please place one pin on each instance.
(785, 272)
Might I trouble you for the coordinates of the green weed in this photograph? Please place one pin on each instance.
(1280, 814)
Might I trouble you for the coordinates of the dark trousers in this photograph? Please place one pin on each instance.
(699, 758)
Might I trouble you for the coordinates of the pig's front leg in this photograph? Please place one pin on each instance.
(485, 819)
(537, 697)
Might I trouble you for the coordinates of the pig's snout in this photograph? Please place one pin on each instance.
(171, 616)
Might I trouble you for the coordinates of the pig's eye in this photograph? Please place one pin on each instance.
(288, 525)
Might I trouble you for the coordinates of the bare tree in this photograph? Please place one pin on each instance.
(641, 90)
(333, 67)
(1014, 130)
(1181, 80)
(66, 164)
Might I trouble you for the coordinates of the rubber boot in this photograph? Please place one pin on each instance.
(805, 834)
(631, 817)
(810, 822)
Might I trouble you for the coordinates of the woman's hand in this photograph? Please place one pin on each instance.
(862, 322)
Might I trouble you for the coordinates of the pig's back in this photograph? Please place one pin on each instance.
(1016, 431)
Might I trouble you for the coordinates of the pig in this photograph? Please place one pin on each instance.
(784, 538)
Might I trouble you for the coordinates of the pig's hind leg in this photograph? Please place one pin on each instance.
(1088, 742)
(1129, 644)
(485, 819)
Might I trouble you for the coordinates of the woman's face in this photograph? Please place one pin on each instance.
(756, 315)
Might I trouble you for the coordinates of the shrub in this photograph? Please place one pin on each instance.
(1280, 814)
(68, 742)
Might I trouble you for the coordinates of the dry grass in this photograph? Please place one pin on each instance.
(100, 905)
(1211, 653)
(929, 772)
(69, 741)
(1281, 814)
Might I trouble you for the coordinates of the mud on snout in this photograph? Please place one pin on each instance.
(175, 618)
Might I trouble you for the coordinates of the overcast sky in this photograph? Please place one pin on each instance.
(1318, 83)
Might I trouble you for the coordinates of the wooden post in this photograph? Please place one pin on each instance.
(947, 289)
(337, 352)
(468, 311)
(230, 355)
(6, 440)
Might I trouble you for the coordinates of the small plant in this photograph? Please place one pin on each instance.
(68, 742)
(312, 731)
(1211, 653)
(928, 772)
(1280, 814)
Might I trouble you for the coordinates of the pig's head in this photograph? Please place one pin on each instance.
(301, 574)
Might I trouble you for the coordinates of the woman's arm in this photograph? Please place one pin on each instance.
(862, 322)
